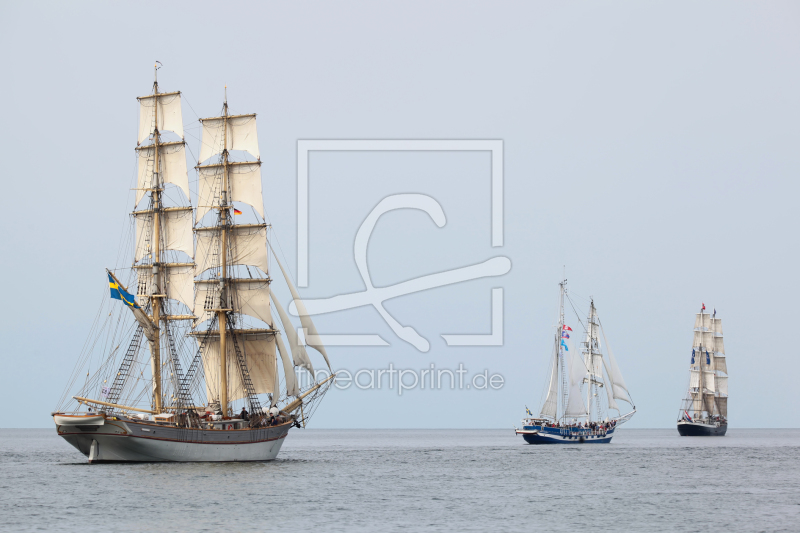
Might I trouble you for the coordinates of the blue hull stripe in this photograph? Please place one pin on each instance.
(566, 436)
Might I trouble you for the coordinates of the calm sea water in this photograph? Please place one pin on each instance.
(417, 480)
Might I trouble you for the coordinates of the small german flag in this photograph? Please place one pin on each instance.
(236, 211)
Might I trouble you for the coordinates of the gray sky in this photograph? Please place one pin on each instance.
(649, 147)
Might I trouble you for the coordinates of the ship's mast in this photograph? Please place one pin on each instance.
(223, 218)
(155, 301)
(703, 405)
(590, 380)
(559, 351)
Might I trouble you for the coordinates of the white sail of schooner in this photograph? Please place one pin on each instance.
(204, 304)
(575, 409)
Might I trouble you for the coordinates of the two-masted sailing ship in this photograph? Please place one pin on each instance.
(188, 337)
(583, 388)
(704, 409)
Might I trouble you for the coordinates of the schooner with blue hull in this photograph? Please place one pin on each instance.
(576, 410)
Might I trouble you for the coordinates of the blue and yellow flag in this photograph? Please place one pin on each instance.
(118, 293)
(528, 411)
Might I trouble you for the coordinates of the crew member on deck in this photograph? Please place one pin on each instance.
(244, 415)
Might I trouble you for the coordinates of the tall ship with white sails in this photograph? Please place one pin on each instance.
(704, 409)
(583, 388)
(188, 337)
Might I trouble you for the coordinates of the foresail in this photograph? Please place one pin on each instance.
(550, 406)
(312, 337)
(618, 386)
(169, 114)
(299, 354)
(288, 368)
(612, 404)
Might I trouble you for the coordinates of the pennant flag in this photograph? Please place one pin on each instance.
(564, 344)
(236, 211)
(704, 307)
(566, 328)
(692, 356)
(564, 335)
(118, 293)
(715, 312)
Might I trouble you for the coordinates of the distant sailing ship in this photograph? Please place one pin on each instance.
(704, 410)
(178, 401)
(576, 409)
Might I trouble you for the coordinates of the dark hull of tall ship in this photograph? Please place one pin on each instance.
(696, 429)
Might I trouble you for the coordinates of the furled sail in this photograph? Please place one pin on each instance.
(299, 354)
(312, 337)
(176, 231)
(241, 135)
(244, 182)
(169, 114)
(172, 160)
(247, 245)
(259, 352)
(246, 296)
(550, 407)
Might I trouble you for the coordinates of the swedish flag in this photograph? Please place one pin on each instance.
(118, 293)
(529, 412)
